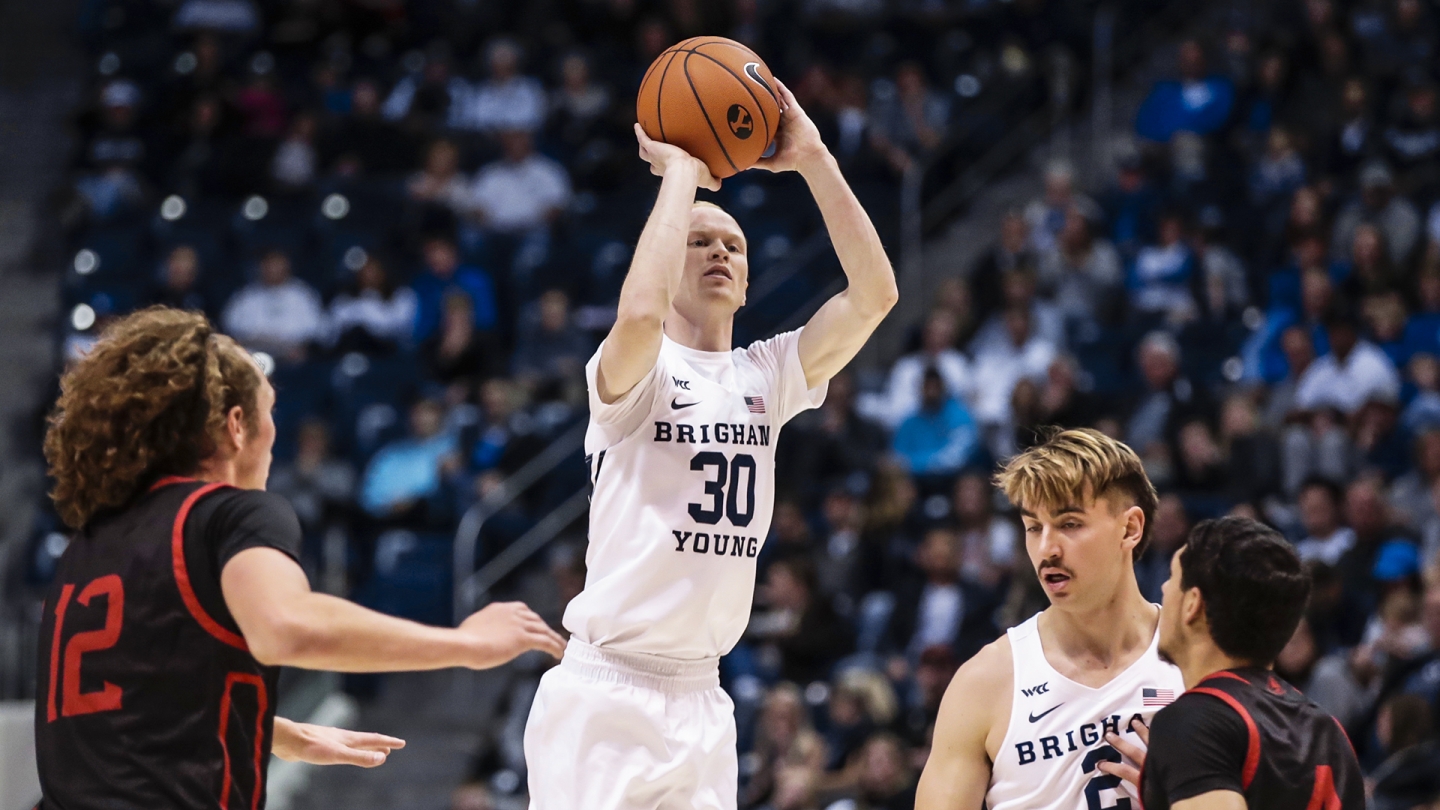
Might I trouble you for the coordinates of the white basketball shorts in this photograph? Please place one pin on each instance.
(627, 731)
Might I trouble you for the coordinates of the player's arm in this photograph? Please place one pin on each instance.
(957, 774)
(630, 350)
(286, 623)
(835, 334)
(323, 745)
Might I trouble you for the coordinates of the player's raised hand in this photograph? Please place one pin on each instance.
(797, 143)
(323, 745)
(504, 630)
(661, 155)
(1134, 753)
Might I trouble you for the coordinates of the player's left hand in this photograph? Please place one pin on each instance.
(797, 143)
(1132, 752)
(323, 745)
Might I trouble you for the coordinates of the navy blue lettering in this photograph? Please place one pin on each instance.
(680, 539)
(684, 433)
(1026, 750)
(722, 433)
(704, 434)
(750, 546)
(1111, 725)
(737, 549)
(721, 540)
(752, 439)
(765, 435)
(662, 431)
(1070, 737)
(1051, 747)
(701, 544)
(1089, 734)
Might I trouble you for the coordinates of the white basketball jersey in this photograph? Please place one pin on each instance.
(1057, 730)
(683, 468)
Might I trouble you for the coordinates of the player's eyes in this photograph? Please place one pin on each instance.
(733, 248)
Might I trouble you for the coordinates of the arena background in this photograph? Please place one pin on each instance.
(1162, 219)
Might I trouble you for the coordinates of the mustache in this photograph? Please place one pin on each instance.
(1053, 566)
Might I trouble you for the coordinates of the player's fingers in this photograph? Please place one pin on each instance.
(641, 136)
(787, 96)
(367, 741)
(548, 641)
(1132, 751)
(1129, 773)
(1141, 730)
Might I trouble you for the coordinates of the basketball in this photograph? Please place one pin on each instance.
(714, 98)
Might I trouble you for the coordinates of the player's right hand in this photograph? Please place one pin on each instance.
(504, 630)
(661, 155)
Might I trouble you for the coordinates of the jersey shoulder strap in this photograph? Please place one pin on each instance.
(1224, 686)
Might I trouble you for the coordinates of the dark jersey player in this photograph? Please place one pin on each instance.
(1239, 737)
(180, 595)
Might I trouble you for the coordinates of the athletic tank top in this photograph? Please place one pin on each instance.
(1056, 737)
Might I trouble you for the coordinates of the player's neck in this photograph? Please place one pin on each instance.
(216, 470)
(1115, 632)
(704, 335)
(1203, 659)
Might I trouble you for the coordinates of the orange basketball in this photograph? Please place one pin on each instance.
(714, 98)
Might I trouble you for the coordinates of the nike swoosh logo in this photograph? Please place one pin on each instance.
(1036, 717)
(675, 403)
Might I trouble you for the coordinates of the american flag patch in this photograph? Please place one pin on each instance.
(755, 404)
(1157, 697)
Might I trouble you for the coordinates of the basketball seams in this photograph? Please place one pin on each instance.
(769, 135)
(704, 113)
(660, 97)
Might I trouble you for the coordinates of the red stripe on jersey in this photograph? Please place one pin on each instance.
(1252, 752)
(51, 714)
(1223, 674)
(171, 479)
(182, 574)
(1324, 796)
(261, 703)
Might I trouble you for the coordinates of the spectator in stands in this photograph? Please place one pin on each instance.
(507, 100)
(1412, 140)
(935, 607)
(1423, 412)
(443, 274)
(1251, 449)
(1325, 679)
(1019, 288)
(1198, 102)
(514, 200)
(1278, 173)
(458, 352)
(1010, 252)
(439, 182)
(296, 161)
(1225, 293)
(406, 481)
(907, 118)
(433, 97)
(319, 485)
(1160, 278)
(1001, 364)
(1380, 204)
(1405, 730)
(365, 136)
(1170, 529)
(832, 444)
(940, 438)
(1170, 398)
(372, 314)
(885, 778)
(902, 394)
(1371, 270)
(1353, 372)
(552, 347)
(1047, 215)
(1082, 273)
(1326, 538)
(988, 542)
(277, 313)
(179, 282)
(1061, 402)
(785, 738)
(579, 105)
(803, 630)
(1130, 204)
(842, 556)
(503, 425)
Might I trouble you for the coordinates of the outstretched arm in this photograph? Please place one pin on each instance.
(285, 623)
(323, 745)
(630, 350)
(835, 334)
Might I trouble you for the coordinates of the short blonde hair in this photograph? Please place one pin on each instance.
(1070, 466)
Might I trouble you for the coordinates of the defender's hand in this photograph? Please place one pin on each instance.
(661, 156)
(504, 630)
(1132, 752)
(322, 745)
(797, 143)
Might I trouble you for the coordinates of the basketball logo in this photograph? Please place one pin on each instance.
(741, 124)
(752, 69)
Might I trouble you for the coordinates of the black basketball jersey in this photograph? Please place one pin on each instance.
(1248, 731)
(148, 696)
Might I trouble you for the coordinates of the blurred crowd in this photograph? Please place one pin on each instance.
(421, 213)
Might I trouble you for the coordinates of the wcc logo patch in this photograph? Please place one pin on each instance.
(1036, 690)
(741, 124)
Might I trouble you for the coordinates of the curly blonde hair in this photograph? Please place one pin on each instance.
(1070, 466)
(149, 400)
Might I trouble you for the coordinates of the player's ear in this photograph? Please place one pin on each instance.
(1134, 527)
(235, 427)
(1192, 606)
